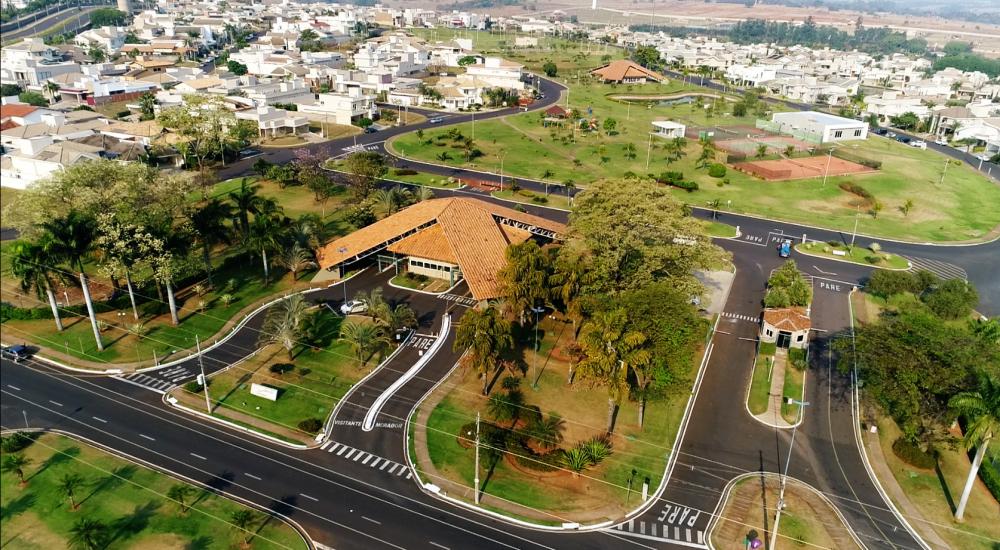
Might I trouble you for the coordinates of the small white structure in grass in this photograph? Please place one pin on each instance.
(819, 127)
(786, 327)
(668, 129)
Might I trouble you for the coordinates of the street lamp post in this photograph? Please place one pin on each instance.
(829, 157)
(204, 379)
(784, 478)
(854, 234)
(475, 489)
(501, 156)
(537, 311)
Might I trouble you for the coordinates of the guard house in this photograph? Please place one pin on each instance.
(448, 239)
(668, 129)
(788, 327)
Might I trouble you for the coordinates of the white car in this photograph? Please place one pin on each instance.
(354, 306)
(942, 142)
(919, 144)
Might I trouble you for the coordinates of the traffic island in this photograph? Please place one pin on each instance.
(808, 519)
(872, 256)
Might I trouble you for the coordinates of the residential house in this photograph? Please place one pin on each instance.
(273, 122)
(341, 108)
(819, 127)
(624, 71)
(668, 129)
(499, 73)
(892, 104)
(30, 63)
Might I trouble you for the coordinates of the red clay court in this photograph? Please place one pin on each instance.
(744, 140)
(801, 168)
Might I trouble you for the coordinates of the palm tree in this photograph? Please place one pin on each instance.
(70, 239)
(15, 464)
(396, 318)
(364, 338)
(611, 352)
(88, 534)
(35, 270)
(68, 486)
(247, 201)
(264, 234)
(373, 301)
(295, 259)
(243, 521)
(506, 406)
(981, 409)
(566, 284)
(547, 432)
(308, 231)
(179, 493)
(487, 336)
(52, 88)
(424, 193)
(283, 324)
(209, 223)
(523, 281)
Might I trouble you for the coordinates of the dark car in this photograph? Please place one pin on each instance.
(15, 353)
(248, 153)
(371, 130)
(903, 139)
(880, 131)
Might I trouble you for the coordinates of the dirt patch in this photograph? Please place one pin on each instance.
(792, 169)
(28, 532)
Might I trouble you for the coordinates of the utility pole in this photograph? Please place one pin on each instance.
(204, 379)
(649, 149)
(945, 171)
(475, 488)
(784, 477)
(854, 234)
(826, 172)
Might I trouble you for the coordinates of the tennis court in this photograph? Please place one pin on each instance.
(809, 167)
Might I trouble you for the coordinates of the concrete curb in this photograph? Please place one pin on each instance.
(221, 492)
(171, 401)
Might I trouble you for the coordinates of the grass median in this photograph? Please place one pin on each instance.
(854, 254)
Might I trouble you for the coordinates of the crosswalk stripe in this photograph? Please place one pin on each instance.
(324, 446)
(409, 475)
(375, 462)
(162, 385)
(359, 455)
(642, 527)
(701, 537)
(394, 466)
(333, 447)
(687, 535)
(367, 458)
(387, 462)
(401, 470)
(348, 455)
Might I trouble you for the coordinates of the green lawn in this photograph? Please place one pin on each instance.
(965, 206)
(794, 384)
(296, 200)
(426, 179)
(760, 385)
(418, 282)
(524, 196)
(722, 230)
(854, 254)
(129, 499)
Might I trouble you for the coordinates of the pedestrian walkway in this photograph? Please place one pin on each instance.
(772, 416)
(389, 467)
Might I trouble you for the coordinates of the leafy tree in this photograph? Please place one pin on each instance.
(609, 125)
(364, 169)
(7, 90)
(656, 239)
(885, 283)
(147, 104)
(35, 269)
(211, 229)
(89, 534)
(107, 17)
(96, 53)
(15, 464)
(787, 287)
(33, 98)
(261, 166)
(205, 123)
(952, 299)
(647, 56)
(487, 336)
(68, 485)
(364, 339)
(611, 352)
(283, 324)
(523, 280)
(981, 408)
(235, 67)
(550, 69)
(71, 239)
(467, 60)
(906, 121)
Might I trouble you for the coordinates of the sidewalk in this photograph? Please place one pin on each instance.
(772, 416)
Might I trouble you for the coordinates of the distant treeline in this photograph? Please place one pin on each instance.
(964, 11)
(871, 40)
(969, 62)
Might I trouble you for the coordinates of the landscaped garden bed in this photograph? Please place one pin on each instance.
(836, 250)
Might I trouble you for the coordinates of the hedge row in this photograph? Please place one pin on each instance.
(990, 476)
(851, 157)
(913, 455)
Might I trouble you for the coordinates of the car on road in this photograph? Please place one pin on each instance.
(248, 153)
(880, 131)
(903, 139)
(919, 144)
(890, 135)
(371, 130)
(436, 119)
(354, 306)
(941, 141)
(785, 248)
(15, 353)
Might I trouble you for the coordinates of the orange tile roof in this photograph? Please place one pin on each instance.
(470, 233)
(619, 70)
(792, 319)
(16, 109)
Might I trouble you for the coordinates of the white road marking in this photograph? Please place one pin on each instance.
(367, 458)
(401, 470)
(375, 521)
(348, 455)
(56, 403)
(13, 387)
(314, 499)
(432, 543)
(375, 462)
(393, 469)
(198, 456)
(409, 474)
(324, 446)
(342, 449)
(251, 476)
(333, 447)
(101, 420)
(387, 462)
(359, 455)
(144, 436)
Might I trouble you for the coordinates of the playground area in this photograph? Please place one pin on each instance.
(801, 168)
(743, 141)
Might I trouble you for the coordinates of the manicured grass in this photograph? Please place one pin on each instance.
(426, 179)
(760, 385)
(794, 383)
(295, 200)
(964, 207)
(554, 199)
(854, 254)
(600, 492)
(417, 282)
(722, 230)
(131, 500)
(282, 141)
(333, 131)
(934, 493)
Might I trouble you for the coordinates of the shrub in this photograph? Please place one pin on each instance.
(717, 170)
(952, 299)
(888, 283)
(576, 459)
(16, 442)
(688, 186)
(281, 368)
(857, 190)
(404, 172)
(540, 200)
(873, 259)
(670, 177)
(192, 387)
(875, 247)
(311, 425)
(596, 449)
(913, 455)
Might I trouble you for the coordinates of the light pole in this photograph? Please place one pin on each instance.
(784, 478)
(204, 379)
(536, 311)
(829, 157)
(945, 171)
(649, 149)
(475, 488)
(500, 155)
(854, 234)
(473, 126)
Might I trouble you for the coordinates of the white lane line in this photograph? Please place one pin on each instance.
(251, 476)
(144, 436)
(375, 521)
(13, 387)
(314, 499)
(432, 543)
(56, 403)
(101, 420)
(198, 456)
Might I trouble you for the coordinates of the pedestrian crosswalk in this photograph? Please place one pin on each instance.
(944, 270)
(374, 462)
(676, 524)
(739, 316)
(159, 380)
(359, 148)
(463, 300)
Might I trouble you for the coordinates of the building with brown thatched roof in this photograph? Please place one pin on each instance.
(449, 239)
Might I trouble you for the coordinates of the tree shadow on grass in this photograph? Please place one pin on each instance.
(134, 523)
(17, 506)
(216, 484)
(203, 542)
(115, 479)
(944, 486)
(60, 457)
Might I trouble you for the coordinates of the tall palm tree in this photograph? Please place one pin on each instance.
(487, 336)
(365, 339)
(396, 318)
(70, 238)
(611, 351)
(264, 235)
(246, 201)
(35, 269)
(373, 300)
(506, 406)
(15, 464)
(179, 493)
(209, 222)
(295, 259)
(523, 281)
(52, 88)
(88, 534)
(244, 521)
(566, 283)
(981, 409)
(547, 432)
(283, 324)
(308, 231)
(68, 485)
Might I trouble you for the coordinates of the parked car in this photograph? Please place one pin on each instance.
(15, 353)
(436, 119)
(903, 139)
(880, 131)
(248, 153)
(371, 130)
(785, 248)
(890, 134)
(919, 144)
(354, 306)
(941, 141)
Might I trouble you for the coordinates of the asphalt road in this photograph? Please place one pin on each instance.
(77, 19)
